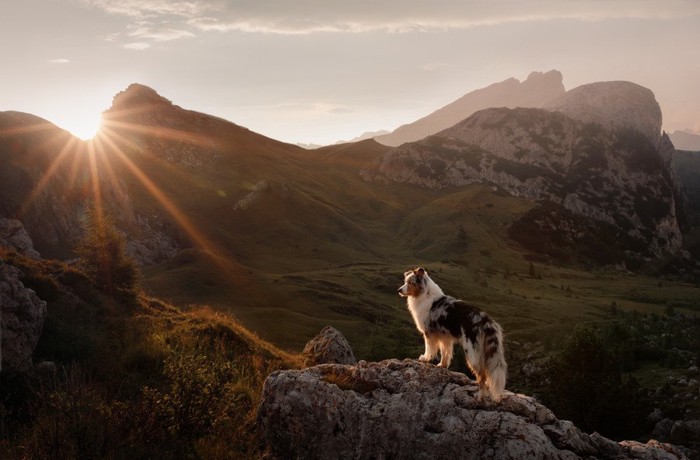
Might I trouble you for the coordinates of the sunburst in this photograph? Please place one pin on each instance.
(98, 160)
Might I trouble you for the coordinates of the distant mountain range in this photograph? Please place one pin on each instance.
(218, 214)
(686, 140)
(537, 90)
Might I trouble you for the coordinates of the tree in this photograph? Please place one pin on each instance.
(587, 387)
(102, 252)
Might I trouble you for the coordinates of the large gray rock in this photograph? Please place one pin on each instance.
(328, 347)
(408, 409)
(22, 316)
(13, 235)
(686, 432)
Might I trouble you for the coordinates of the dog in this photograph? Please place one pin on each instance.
(445, 321)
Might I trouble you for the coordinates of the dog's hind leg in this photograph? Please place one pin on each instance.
(446, 350)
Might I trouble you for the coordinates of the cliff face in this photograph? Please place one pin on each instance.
(408, 409)
(537, 90)
(606, 163)
(22, 316)
(613, 104)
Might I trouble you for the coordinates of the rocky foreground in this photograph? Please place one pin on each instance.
(408, 409)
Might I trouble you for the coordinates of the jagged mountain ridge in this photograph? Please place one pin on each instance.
(539, 89)
(609, 165)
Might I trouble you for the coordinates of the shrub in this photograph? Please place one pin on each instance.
(587, 387)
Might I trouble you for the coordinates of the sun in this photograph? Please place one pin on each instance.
(83, 125)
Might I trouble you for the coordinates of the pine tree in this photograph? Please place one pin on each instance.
(102, 252)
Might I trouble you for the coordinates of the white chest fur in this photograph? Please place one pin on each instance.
(420, 310)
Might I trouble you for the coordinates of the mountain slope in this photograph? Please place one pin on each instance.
(536, 91)
(611, 174)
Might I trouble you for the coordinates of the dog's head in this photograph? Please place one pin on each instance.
(414, 283)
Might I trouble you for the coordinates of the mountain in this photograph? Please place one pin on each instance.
(220, 215)
(599, 156)
(685, 140)
(536, 91)
(365, 136)
(613, 104)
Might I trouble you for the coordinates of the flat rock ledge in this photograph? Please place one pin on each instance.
(408, 409)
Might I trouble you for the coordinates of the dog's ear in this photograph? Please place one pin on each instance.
(419, 272)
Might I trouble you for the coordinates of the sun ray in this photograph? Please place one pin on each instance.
(105, 161)
(159, 131)
(48, 175)
(95, 182)
(209, 248)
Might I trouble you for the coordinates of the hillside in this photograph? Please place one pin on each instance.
(126, 377)
(536, 91)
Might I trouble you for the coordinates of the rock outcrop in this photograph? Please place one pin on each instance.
(328, 347)
(22, 316)
(13, 235)
(408, 409)
(539, 89)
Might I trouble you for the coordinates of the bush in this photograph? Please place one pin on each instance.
(587, 387)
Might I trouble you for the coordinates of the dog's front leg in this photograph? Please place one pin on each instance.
(431, 349)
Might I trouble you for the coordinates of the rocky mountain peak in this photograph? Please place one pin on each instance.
(613, 104)
(537, 90)
(137, 95)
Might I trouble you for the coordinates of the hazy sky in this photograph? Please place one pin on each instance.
(324, 70)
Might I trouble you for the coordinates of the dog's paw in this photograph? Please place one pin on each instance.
(424, 359)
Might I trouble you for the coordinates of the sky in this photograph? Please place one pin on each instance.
(320, 71)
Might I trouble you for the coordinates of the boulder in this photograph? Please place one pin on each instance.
(686, 432)
(409, 409)
(328, 347)
(22, 316)
(13, 235)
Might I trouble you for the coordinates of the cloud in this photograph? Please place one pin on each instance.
(59, 61)
(407, 16)
(137, 46)
(150, 8)
(160, 35)
(303, 17)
